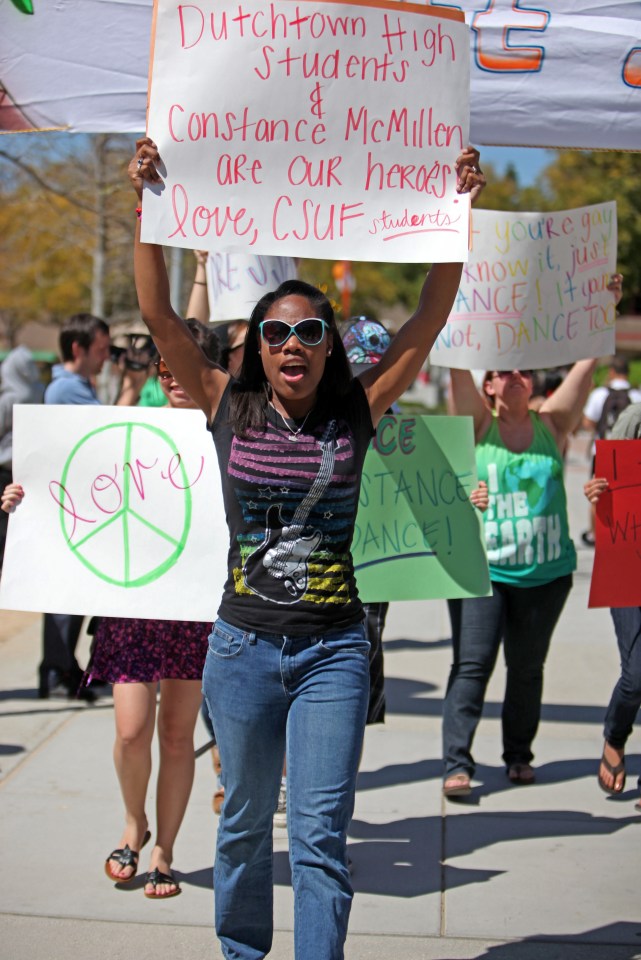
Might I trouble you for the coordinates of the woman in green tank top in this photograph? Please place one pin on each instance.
(531, 559)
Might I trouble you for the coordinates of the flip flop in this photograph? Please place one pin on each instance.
(126, 857)
(457, 785)
(521, 773)
(155, 878)
(614, 773)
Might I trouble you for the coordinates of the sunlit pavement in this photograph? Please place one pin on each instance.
(515, 873)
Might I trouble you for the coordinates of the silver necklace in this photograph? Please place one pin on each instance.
(294, 433)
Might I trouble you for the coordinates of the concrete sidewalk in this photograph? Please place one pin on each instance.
(538, 873)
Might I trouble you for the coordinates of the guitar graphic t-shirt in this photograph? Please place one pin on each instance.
(290, 501)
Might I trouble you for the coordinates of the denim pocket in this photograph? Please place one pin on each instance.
(226, 641)
(351, 640)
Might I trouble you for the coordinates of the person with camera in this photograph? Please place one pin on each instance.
(85, 346)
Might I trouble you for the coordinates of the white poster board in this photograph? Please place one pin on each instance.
(318, 130)
(122, 516)
(236, 281)
(534, 291)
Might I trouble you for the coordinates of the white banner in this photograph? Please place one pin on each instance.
(564, 74)
(123, 514)
(534, 291)
(235, 282)
(310, 132)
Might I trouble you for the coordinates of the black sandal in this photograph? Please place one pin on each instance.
(155, 878)
(125, 857)
(614, 770)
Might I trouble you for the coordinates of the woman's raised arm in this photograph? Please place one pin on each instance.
(562, 410)
(466, 401)
(204, 381)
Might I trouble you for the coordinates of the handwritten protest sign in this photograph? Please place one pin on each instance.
(616, 575)
(122, 515)
(236, 281)
(533, 293)
(310, 130)
(417, 535)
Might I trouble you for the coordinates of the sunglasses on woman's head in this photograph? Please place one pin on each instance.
(310, 332)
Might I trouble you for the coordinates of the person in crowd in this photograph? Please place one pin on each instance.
(234, 350)
(365, 341)
(531, 558)
(231, 358)
(231, 353)
(19, 383)
(137, 656)
(84, 346)
(140, 356)
(232, 347)
(605, 403)
(287, 666)
(198, 303)
(626, 697)
(544, 385)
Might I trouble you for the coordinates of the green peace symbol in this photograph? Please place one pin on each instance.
(176, 544)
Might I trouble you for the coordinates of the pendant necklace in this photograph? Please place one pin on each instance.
(294, 433)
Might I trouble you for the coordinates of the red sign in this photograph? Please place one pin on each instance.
(616, 576)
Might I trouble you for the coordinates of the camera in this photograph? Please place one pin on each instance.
(139, 355)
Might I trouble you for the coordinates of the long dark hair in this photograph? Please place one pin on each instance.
(248, 402)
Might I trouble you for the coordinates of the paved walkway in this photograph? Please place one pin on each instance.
(538, 873)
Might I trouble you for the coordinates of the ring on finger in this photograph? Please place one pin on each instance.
(139, 162)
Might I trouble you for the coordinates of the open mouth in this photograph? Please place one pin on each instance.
(293, 371)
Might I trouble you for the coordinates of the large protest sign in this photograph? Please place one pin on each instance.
(565, 76)
(534, 291)
(235, 282)
(616, 574)
(310, 130)
(417, 535)
(122, 515)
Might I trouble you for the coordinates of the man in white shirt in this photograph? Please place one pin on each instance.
(604, 404)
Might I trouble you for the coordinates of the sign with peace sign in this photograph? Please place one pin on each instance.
(122, 515)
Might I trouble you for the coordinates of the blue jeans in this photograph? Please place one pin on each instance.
(626, 696)
(307, 695)
(524, 619)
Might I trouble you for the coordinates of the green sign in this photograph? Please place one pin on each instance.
(417, 535)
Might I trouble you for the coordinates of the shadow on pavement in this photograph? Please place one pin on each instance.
(616, 941)
(61, 706)
(491, 780)
(415, 645)
(407, 698)
(399, 858)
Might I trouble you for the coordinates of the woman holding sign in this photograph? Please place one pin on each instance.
(287, 667)
(531, 559)
(138, 657)
(625, 700)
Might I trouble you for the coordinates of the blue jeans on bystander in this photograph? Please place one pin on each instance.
(308, 695)
(626, 696)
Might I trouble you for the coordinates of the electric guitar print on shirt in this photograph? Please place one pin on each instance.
(278, 569)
